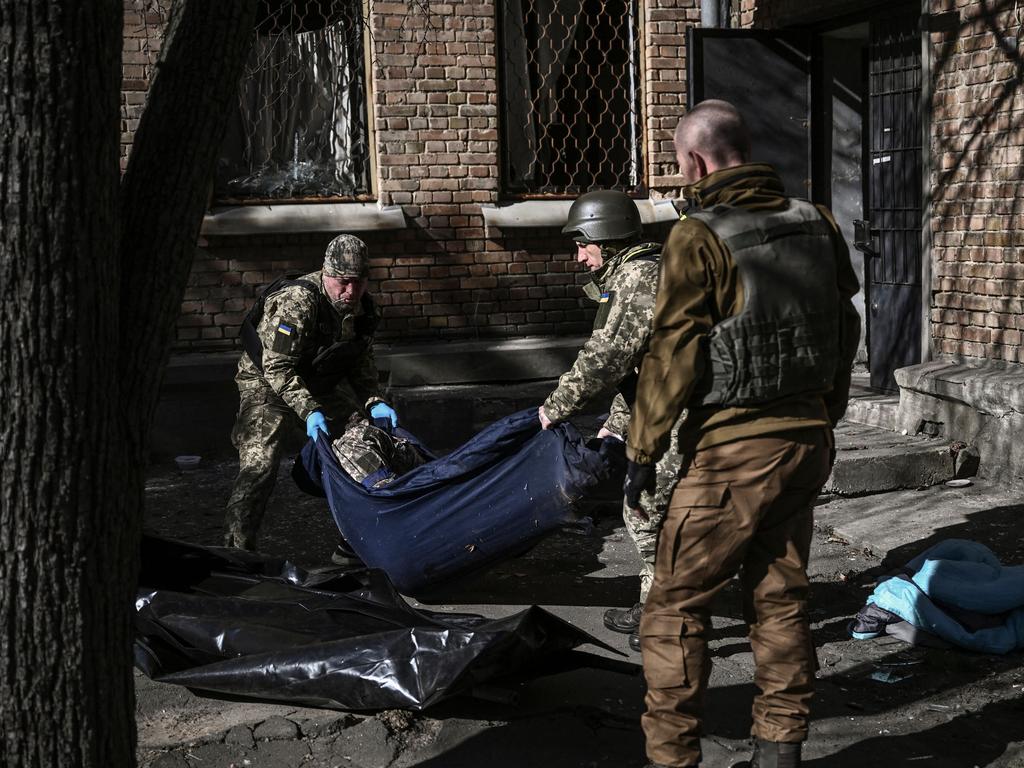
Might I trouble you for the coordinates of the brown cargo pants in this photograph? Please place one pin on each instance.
(743, 507)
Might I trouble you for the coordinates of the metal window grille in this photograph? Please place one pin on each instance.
(571, 96)
(300, 129)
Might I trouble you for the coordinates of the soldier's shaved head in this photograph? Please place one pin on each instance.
(711, 136)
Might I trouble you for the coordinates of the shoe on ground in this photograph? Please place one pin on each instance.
(346, 557)
(634, 642)
(624, 620)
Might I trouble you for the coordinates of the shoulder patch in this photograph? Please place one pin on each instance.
(604, 306)
(286, 338)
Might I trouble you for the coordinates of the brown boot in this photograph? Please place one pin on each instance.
(624, 620)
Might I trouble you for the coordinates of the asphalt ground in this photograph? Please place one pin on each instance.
(879, 702)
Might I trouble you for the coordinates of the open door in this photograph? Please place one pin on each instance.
(767, 76)
(777, 79)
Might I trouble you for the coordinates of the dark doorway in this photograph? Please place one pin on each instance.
(893, 197)
(861, 154)
(767, 76)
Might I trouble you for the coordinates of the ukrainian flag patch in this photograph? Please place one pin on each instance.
(286, 329)
(604, 297)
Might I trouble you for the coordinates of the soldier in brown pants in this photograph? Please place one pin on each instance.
(754, 334)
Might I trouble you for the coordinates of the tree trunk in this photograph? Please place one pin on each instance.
(166, 186)
(65, 681)
(91, 282)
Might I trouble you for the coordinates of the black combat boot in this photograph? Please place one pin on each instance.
(772, 754)
(624, 620)
(634, 642)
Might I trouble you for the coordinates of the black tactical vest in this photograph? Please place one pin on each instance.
(324, 367)
(785, 340)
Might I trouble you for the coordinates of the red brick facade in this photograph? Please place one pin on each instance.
(435, 114)
(977, 172)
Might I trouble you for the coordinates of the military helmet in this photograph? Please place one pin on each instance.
(346, 256)
(602, 216)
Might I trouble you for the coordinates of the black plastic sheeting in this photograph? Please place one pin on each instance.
(243, 625)
(493, 497)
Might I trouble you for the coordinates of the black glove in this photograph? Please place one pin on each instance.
(639, 477)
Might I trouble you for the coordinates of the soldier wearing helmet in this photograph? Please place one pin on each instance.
(308, 356)
(608, 233)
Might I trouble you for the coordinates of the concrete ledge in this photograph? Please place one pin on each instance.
(979, 403)
(553, 213)
(422, 364)
(302, 217)
(994, 388)
(465, 362)
(445, 391)
(871, 460)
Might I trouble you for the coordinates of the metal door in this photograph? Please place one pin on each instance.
(767, 76)
(894, 191)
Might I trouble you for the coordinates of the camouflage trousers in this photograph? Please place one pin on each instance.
(643, 529)
(265, 425)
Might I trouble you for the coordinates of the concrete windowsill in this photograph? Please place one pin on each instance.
(553, 213)
(302, 217)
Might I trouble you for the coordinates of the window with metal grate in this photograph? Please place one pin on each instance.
(570, 97)
(300, 129)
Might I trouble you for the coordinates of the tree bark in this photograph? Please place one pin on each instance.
(65, 684)
(166, 186)
(91, 281)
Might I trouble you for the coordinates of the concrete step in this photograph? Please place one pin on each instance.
(867, 406)
(873, 410)
(873, 460)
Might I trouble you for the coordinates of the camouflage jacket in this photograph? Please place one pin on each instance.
(373, 457)
(296, 323)
(624, 290)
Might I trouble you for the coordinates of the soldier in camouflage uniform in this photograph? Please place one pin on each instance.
(309, 357)
(607, 230)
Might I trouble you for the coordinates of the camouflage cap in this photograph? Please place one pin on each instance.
(346, 256)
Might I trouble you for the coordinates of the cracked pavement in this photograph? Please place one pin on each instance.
(879, 702)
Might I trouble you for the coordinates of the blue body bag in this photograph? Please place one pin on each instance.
(493, 497)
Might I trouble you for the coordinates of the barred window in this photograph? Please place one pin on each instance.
(300, 129)
(570, 96)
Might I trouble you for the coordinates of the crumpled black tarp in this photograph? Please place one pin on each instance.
(491, 498)
(236, 623)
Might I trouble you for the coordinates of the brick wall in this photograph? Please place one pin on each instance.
(143, 22)
(977, 171)
(435, 114)
(665, 86)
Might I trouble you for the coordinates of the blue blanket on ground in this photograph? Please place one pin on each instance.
(954, 577)
(491, 498)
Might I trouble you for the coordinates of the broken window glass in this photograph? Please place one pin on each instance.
(300, 128)
(571, 96)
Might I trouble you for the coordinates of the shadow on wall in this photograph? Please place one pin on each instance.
(977, 193)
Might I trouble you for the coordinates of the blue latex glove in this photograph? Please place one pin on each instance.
(384, 416)
(316, 423)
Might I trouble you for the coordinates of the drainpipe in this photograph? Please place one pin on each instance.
(714, 14)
